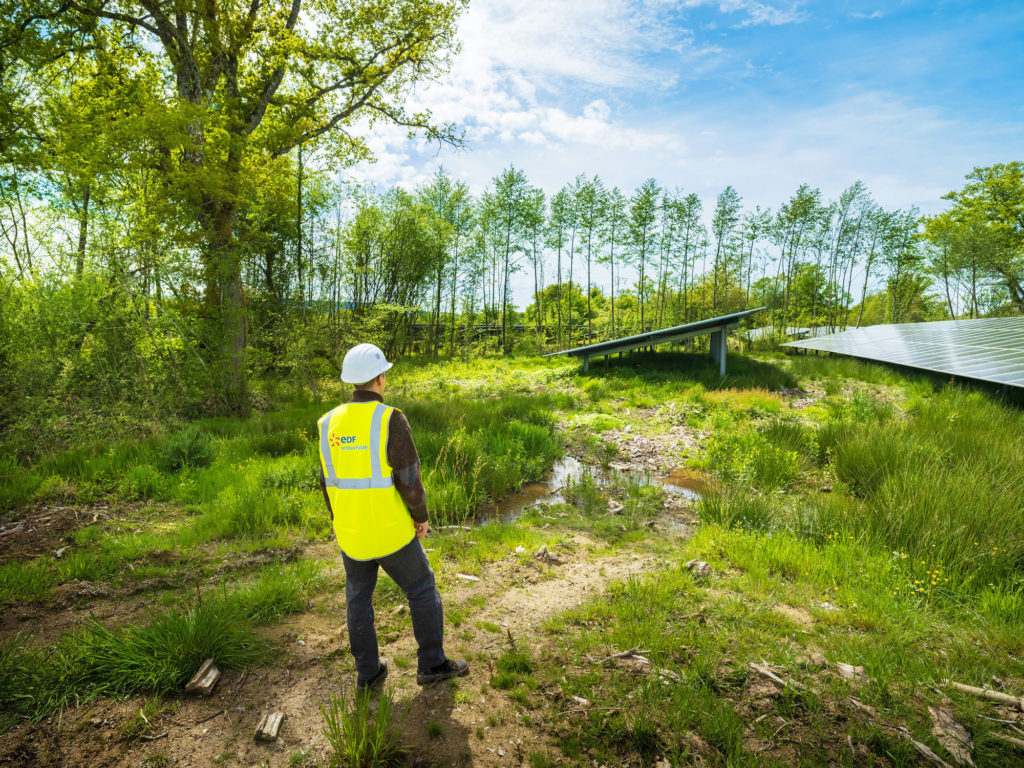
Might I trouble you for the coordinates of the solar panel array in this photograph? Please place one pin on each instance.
(988, 349)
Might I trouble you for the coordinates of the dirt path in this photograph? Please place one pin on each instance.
(479, 725)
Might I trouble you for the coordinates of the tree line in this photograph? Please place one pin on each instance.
(172, 225)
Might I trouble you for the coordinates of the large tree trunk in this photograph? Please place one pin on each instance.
(225, 299)
(83, 232)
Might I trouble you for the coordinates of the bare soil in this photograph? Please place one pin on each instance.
(480, 726)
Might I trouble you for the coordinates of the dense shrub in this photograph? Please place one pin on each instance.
(189, 447)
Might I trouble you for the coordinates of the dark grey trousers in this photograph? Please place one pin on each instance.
(410, 570)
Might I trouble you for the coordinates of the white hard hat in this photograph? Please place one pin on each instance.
(363, 363)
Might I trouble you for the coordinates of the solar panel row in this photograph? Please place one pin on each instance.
(989, 349)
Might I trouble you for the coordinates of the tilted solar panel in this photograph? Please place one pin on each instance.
(988, 349)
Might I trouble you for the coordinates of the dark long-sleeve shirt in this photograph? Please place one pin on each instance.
(402, 457)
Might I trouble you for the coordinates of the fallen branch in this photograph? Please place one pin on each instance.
(987, 693)
(144, 737)
(1018, 743)
(635, 651)
(906, 735)
(763, 670)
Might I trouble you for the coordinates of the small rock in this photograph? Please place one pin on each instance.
(302, 642)
(501, 752)
(997, 683)
(614, 507)
(400, 609)
(851, 672)
(818, 659)
(59, 553)
(580, 700)
(467, 577)
(698, 568)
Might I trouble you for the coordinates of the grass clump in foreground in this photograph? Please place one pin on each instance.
(361, 731)
(157, 657)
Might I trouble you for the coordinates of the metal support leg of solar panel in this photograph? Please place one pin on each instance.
(718, 327)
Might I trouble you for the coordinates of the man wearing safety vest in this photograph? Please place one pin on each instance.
(370, 476)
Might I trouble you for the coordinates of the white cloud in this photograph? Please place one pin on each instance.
(597, 110)
(756, 12)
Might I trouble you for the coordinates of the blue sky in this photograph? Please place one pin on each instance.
(906, 96)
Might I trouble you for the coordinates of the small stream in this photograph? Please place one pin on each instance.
(689, 483)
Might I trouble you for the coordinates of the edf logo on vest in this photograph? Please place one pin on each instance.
(338, 441)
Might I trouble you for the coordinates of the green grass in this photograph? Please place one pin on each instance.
(21, 580)
(706, 633)
(157, 657)
(363, 732)
(882, 525)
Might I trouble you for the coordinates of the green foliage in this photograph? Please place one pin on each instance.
(749, 456)
(20, 580)
(160, 656)
(189, 447)
(21, 670)
(143, 481)
(276, 592)
(361, 732)
(156, 657)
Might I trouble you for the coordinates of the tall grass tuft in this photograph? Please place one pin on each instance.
(158, 657)
(361, 732)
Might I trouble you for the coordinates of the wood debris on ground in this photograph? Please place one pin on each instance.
(953, 737)
(204, 680)
(544, 556)
(269, 725)
(987, 693)
(851, 672)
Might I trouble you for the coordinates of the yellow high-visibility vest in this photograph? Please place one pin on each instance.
(370, 518)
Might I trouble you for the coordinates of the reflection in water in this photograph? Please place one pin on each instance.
(689, 483)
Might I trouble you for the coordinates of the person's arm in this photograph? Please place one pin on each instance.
(405, 463)
(327, 499)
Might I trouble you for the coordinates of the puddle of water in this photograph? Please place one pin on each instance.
(690, 483)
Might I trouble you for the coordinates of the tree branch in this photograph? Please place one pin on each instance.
(114, 16)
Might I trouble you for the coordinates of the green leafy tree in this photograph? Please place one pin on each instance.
(723, 225)
(642, 228)
(995, 195)
(248, 81)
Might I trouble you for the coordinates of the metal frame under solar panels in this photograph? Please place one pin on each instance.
(716, 326)
(988, 349)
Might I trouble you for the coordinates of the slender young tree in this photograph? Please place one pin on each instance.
(723, 225)
(615, 223)
(590, 207)
(534, 220)
(643, 219)
(557, 238)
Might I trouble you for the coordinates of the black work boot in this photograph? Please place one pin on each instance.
(375, 682)
(445, 670)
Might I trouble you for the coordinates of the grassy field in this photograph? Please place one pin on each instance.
(851, 515)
